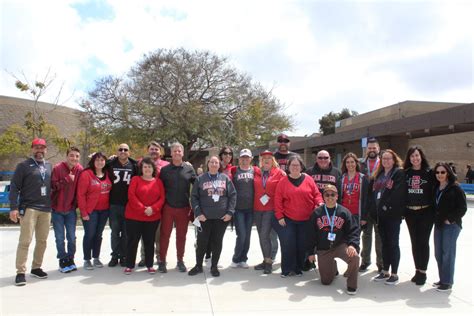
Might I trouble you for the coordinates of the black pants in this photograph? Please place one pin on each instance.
(135, 231)
(389, 230)
(212, 234)
(420, 224)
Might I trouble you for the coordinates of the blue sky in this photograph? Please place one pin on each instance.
(316, 56)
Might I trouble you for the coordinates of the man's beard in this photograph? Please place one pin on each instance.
(372, 154)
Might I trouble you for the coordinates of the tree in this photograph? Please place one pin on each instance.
(327, 122)
(195, 98)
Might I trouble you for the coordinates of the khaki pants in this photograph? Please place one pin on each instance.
(327, 265)
(37, 222)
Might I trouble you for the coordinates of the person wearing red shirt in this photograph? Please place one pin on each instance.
(64, 179)
(265, 183)
(93, 192)
(146, 196)
(296, 198)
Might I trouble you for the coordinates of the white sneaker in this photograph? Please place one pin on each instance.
(234, 265)
(244, 265)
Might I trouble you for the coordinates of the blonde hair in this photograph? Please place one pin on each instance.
(274, 162)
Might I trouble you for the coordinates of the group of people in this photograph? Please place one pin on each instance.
(319, 212)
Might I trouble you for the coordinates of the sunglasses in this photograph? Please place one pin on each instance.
(323, 158)
(440, 172)
(226, 153)
(123, 149)
(330, 195)
(283, 141)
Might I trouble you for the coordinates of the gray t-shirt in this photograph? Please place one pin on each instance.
(243, 182)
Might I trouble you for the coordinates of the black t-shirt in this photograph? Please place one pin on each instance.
(282, 159)
(420, 187)
(121, 175)
(296, 182)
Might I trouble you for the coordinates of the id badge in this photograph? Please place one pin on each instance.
(264, 199)
(379, 195)
(215, 197)
(331, 236)
(43, 190)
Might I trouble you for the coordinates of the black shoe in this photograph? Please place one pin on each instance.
(39, 273)
(113, 262)
(195, 270)
(141, 264)
(215, 272)
(260, 266)
(351, 291)
(364, 267)
(268, 268)
(421, 280)
(415, 277)
(444, 288)
(123, 262)
(20, 279)
(308, 265)
(436, 284)
(64, 266)
(181, 267)
(72, 265)
(162, 267)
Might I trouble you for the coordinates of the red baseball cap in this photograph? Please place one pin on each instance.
(38, 142)
(282, 137)
(266, 152)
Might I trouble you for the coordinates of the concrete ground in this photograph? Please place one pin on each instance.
(236, 291)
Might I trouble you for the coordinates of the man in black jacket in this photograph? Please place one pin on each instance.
(333, 234)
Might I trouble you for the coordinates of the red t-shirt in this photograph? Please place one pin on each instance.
(105, 187)
(351, 194)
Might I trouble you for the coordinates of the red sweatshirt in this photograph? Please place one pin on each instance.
(63, 189)
(276, 174)
(141, 194)
(91, 190)
(296, 203)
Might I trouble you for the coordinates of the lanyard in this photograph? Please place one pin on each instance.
(371, 171)
(42, 169)
(350, 185)
(214, 182)
(439, 193)
(265, 176)
(331, 222)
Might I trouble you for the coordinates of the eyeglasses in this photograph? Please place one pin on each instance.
(284, 141)
(440, 172)
(323, 158)
(123, 149)
(330, 195)
(226, 153)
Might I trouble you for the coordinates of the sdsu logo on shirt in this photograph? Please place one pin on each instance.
(414, 184)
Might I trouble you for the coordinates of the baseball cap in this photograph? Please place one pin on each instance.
(282, 137)
(330, 187)
(245, 152)
(38, 141)
(266, 152)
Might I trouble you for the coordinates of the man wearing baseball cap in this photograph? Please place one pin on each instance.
(30, 203)
(283, 153)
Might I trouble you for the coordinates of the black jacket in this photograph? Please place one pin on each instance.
(322, 177)
(392, 200)
(451, 205)
(345, 228)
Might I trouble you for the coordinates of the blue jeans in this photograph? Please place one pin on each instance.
(445, 251)
(93, 229)
(243, 220)
(65, 221)
(389, 230)
(293, 244)
(118, 235)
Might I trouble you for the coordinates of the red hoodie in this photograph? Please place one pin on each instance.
(91, 191)
(296, 202)
(63, 188)
(141, 194)
(276, 174)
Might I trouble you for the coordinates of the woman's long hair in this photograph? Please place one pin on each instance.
(424, 162)
(396, 159)
(347, 156)
(95, 156)
(451, 176)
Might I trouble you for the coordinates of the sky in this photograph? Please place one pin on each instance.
(315, 56)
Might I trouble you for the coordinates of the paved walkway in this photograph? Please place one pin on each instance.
(236, 291)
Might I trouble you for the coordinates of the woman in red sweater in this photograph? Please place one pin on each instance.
(93, 191)
(265, 182)
(296, 198)
(146, 196)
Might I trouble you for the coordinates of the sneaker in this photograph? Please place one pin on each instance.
(97, 263)
(64, 266)
(284, 275)
(181, 267)
(415, 277)
(244, 265)
(195, 270)
(215, 272)
(299, 274)
(141, 264)
(260, 266)
(162, 267)
(234, 265)
(39, 273)
(351, 291)
(113, 262)
(72, 265)
(88, 265)
(421, 279)
(444, 288)
(151, 270)
(392, 280)
(127, 271)
(123, 262)
(268, 268)
(364, 267)
(381, 277)
(20, 279)
(436, 284)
